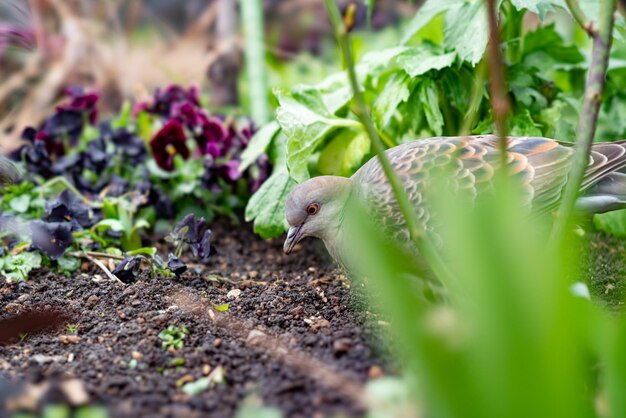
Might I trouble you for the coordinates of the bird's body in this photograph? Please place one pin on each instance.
(539, 165)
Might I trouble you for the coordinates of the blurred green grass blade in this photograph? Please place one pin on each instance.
(253, 27)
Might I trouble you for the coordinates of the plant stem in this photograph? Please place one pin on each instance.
(581, 19)
(594, 88)
(416, 230)
(96, 254)
(500, 104)
(63, 181)
(476, 99)
(252, 22)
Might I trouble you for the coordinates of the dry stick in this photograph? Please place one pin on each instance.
(594, 89)
(500, 104)
(101, 265)
(416, 230)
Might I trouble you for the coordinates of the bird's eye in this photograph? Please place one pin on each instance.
(312, 209)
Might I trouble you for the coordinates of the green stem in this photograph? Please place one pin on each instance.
(418, 234)
(63, 181)
(476, 99)
(594, 88)
(252, 19)
(579, 16)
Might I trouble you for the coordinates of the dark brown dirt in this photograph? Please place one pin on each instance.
(302, 300)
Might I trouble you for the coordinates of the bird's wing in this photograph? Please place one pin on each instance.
(540, 164)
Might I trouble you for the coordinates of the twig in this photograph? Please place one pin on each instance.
(592, 100)
(416, 230)
(581, 19)
(96, 254)
(500, 104)
(101, 265)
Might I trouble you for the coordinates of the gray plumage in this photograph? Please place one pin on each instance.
(539, 165)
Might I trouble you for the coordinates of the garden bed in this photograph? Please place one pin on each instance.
(301, 303)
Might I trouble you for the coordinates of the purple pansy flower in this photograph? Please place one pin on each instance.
(169, 142)
(51, 238)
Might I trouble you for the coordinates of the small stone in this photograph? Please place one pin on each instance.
(92, 301)
(253, 274)
(217, 342)
(255, 336)
(206, 369)
(233, 294)
(341, 346)
(160, 319)
(375, 372)
(136, 355)
(69, 339)
(12, 308)
(75, 392)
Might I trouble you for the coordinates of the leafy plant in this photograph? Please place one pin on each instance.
(18, 266)
(425, 87)
(173, 337)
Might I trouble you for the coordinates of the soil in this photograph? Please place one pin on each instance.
(296, 335)
(300, 303)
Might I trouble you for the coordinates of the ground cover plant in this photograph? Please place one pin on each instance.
(125, 232)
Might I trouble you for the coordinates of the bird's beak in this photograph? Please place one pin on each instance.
(293, 237)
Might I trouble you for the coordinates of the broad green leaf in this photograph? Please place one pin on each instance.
(522, 124)
(396, 91)
(376, 60)
(613, 223)
(420, 60)
(20, 204)
(258, 144)
(429, 97)
(540, 7)
(17, 267)
(467, 31)
(267, 206)
(305, 122)
(113, 224)
(222, 308)
(68, 264)
(425, 14)
(545, 50)
(344, 154)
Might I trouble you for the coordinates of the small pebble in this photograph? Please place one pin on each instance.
(136, 355)
(206, 369)
(375, 372)
(341, 346)
(69, 339)
(217, 342)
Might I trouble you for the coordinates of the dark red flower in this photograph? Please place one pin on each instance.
(164, 100)
(81, 101)
(215, 139)
(169, 142)
(190, 114)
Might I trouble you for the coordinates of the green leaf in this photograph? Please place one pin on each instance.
(545, 50)
(267, 205)
(68, 264)
(421, 60)
(305, 122)
(539, 7)
(258, 144)
(344, 154)
(522, 124)
(222, 308)
(396, 91)
(466, 31)
(20, 204)
(113, 224)
(425, 14)
(613, 223)
(148, 251)
(429, 97)
(17, 267)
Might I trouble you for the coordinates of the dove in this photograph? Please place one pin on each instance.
(316, 207)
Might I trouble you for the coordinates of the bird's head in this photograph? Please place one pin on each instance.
(314, 209)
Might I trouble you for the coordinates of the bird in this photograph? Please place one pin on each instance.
(317, 207)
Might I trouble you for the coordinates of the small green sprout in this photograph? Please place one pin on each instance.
(173, 337)
(72, 328)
